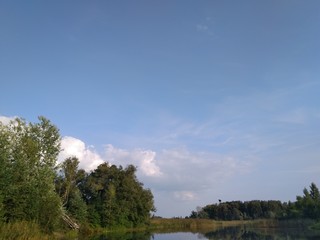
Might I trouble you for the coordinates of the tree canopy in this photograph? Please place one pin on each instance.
(28, 158)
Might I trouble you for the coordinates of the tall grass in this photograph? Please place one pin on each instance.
(31, 231)
(192, 225)
(195, 225)
(22, 230)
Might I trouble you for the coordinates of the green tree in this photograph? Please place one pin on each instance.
(67, 185)
(309, 204)
(115, 197)
(28, 158)
(314, 192)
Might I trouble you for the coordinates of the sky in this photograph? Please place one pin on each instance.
(209, 99)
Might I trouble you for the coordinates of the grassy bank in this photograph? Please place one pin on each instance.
(22, 230)
(204, 224)
(31, 231)
(192, 224)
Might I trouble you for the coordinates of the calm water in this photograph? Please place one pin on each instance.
(235, 233)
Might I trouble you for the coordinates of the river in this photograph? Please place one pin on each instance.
(234, 233)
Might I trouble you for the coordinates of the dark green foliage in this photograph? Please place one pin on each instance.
(308, 205)
(237, 210)
(110, 196)
(116, 198)
(67, 187)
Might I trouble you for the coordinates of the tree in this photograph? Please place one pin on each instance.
(309, 204)
(28, 157)
(67, 185)
(314, 192)
(115, 197)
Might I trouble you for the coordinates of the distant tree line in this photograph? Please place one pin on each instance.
(34, 188)
(237, 210)
(306, 206)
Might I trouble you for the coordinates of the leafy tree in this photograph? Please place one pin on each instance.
(28, 158)
(308, 205)
(67, 185)
(314, 192)
(115, 197)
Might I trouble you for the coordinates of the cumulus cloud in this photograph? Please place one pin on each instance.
(179, 171)
(143, 159)
(6, 120)
(89, 159)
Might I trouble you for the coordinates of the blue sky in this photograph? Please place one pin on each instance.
(210, 99)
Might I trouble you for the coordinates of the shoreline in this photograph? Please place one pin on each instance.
(32, 231)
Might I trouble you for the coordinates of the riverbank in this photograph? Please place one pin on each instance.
(191, 224)
(203, 224)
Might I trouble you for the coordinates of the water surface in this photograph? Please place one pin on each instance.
(234, 233)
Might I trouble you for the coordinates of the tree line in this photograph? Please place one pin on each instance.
(305, 206)
(33, 187)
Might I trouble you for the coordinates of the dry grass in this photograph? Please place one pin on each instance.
(192, 224)
(199, 225)
(31, 231)
(22, 230)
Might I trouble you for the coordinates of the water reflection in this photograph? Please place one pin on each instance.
(241, 233)
(125, 236)
(234, 233)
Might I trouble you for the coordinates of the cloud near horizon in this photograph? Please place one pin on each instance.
(179, 171)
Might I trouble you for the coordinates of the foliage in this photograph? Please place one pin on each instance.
(28, 158)
(67, 187)
(109, 196)
(116, 198)
(237, 210)
(308, 205)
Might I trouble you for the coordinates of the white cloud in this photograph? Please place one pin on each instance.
(89, 159)
(195, 171)
(143, 159)
(185, 195)
(6, 120)
(179, 171)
